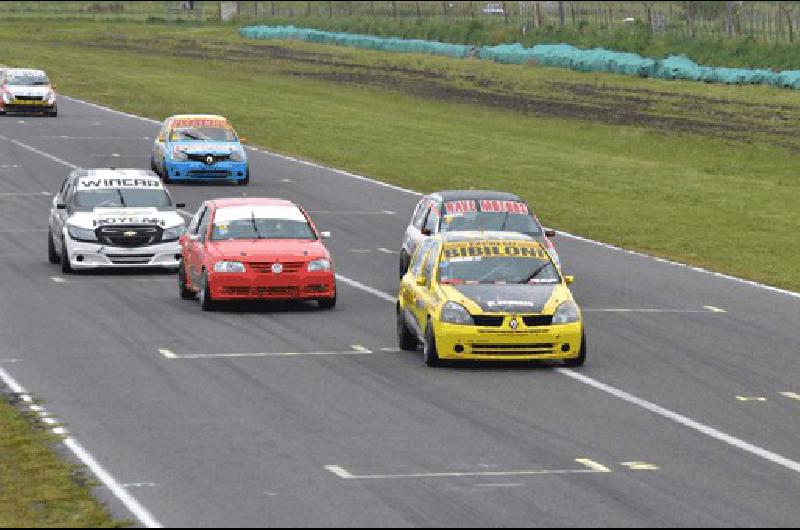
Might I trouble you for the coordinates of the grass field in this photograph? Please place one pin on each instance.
(702, 174)
(37, 488)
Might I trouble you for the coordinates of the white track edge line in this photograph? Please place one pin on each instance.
(140, 512)
(683, 420)
(742, 281)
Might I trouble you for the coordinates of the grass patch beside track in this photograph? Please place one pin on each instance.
(37, 488)
(702, 174)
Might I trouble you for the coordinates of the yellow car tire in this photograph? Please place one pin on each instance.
(429, 352)
(406, 340)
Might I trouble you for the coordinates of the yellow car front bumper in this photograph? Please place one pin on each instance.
(546, 343)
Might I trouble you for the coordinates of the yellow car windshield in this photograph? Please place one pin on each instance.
(521, 262)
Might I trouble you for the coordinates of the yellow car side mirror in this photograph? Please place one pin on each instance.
(243, 141)
(160, 139)
(421, 281)
(569, 279)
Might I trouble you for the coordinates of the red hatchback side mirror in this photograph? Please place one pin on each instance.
(549, 233)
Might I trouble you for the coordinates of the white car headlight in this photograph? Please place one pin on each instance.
(237, 155)
(453, 313)
(179, 155)
(77, 233)
(174, 233)
(567, 313)
(320, 265)
(7, 97)
(229, 266)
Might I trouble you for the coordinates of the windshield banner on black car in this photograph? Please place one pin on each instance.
(488, 206)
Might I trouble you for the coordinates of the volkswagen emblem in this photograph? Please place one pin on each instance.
(277, 268)
(514, 324)
(210, 160)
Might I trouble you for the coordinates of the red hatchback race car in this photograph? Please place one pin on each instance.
(255, 249)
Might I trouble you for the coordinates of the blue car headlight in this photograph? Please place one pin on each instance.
(179, 156)
(77, 233)
(237, 155)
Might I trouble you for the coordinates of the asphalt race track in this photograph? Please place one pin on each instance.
(686, 413)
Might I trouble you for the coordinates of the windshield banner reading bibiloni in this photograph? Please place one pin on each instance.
(493, 249)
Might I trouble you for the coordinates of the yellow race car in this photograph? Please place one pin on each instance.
(488, 296)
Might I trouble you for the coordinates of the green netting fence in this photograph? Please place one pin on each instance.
(357, 41)
(555, 55)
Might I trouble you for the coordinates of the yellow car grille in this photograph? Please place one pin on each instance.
(541, 348)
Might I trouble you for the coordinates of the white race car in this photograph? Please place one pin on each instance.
(105, 218)
(27, 91)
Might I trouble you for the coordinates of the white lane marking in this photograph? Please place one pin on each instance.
(144, 517)
(418, 194)
(387, 251)
(9, 361)
(751, 398)
(10, 166)
(342, 473)
(647, 405)
(339, 472)
(139, 485)
(61, 137)
(653, 310)
(640, 466)
(38, 152)
(117, 155)
(27, 194)
(701, 270)
(107, 109)
(169, 354)
(683, 420)
(101, 279)
(366, 288)
(391, 350)
(591, 464)
(791, 395)
(510, 485)
(286, 181)
(361, 250)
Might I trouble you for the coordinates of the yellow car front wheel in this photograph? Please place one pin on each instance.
(429, 352)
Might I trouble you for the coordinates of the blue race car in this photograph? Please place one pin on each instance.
(199, 147)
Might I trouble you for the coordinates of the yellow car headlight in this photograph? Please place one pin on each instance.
(567, 313)
(453, 313)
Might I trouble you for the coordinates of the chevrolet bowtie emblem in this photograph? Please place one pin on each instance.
(129, 234)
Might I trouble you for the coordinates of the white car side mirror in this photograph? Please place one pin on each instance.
(325, 235)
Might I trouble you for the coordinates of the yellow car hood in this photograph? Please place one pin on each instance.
(508, 298)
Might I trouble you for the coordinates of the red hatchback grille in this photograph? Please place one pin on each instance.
(265, 267)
